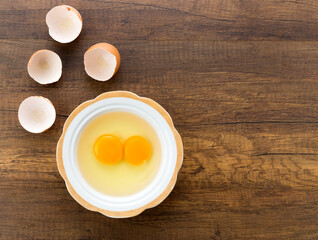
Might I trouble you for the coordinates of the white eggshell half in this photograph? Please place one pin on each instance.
(64, 23)
(45, 67)
(36, 114)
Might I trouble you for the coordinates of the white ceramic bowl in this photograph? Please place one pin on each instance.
(156, 191)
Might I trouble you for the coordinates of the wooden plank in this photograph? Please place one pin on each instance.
(163, 20)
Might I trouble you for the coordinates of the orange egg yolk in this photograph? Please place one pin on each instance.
(108, 149)
(137, 150)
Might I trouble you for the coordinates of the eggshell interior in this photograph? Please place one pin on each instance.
(36, 114)
(101, 61)
(64, 23)
(45, 67)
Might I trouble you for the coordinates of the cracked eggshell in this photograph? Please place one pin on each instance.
(45, 66)
(36, 114)
(64, 23)
(101, 61)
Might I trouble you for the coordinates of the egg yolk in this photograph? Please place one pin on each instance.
(137, 150)
(108, 149)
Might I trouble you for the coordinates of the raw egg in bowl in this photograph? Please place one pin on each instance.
(119, 154)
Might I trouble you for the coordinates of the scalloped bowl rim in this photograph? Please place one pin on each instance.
(124, 206)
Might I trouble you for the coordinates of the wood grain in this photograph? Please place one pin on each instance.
(238, 77)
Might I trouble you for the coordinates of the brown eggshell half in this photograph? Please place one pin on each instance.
(54, 66)
(106, 47)
(54, 21)
(36, 103)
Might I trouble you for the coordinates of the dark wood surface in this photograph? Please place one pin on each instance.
(240, 80)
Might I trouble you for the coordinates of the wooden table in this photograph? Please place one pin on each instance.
(240, 80)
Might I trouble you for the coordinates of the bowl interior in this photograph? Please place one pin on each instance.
(167, 163)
